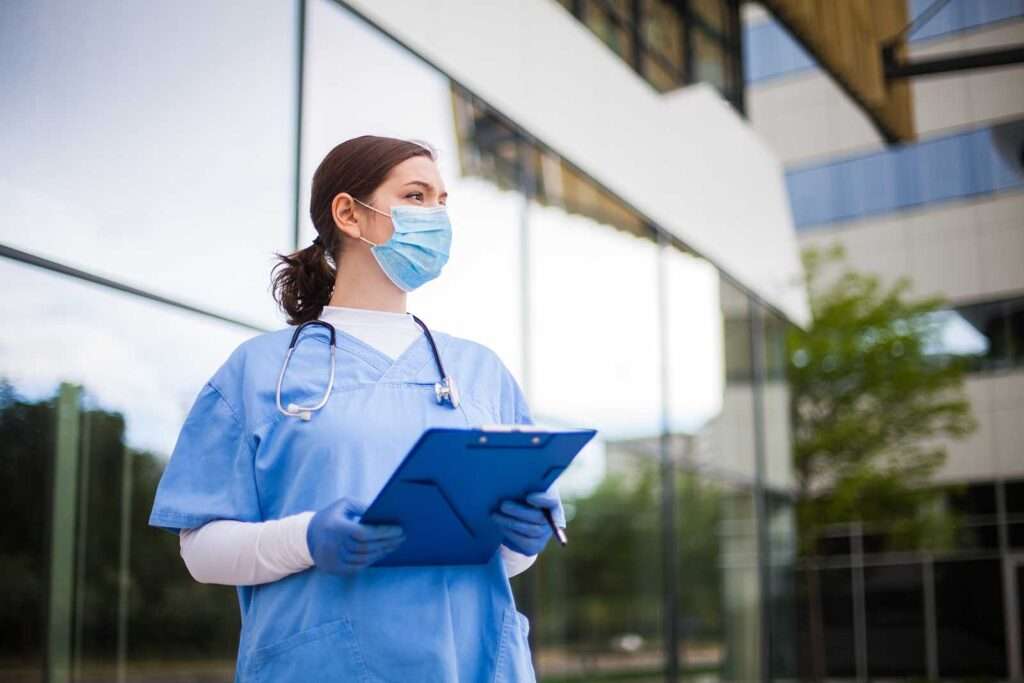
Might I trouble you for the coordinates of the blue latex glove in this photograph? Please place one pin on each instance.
(524, 528)
(339, 544)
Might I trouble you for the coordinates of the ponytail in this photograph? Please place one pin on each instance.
(303, 282)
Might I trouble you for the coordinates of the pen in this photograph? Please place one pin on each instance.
(558, 531)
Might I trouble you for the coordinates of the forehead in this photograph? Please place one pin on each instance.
(416, 168)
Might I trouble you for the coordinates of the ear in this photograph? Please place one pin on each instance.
(343, 210)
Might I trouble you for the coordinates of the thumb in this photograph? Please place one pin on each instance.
(354, 508)
(542, 499)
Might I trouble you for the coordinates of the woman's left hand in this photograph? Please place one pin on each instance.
(524, 527)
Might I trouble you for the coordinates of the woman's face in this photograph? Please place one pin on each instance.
(414, 182)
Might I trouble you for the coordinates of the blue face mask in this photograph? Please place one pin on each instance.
(418, 249)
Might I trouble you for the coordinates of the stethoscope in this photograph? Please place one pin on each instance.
(445, 390)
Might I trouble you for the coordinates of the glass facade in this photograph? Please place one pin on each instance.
(169, 207)
(671, 43)
(939, 608)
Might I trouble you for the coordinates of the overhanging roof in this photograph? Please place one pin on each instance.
(846, 38)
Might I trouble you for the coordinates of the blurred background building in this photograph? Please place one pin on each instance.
(626, 239)
(945, 209)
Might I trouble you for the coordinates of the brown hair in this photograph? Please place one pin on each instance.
(303, 281)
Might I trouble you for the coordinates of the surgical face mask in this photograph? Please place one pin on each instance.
(418, 248)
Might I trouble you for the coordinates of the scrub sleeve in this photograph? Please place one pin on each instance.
(210, 472)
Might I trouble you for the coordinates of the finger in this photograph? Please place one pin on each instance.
(523, 512)
(374, 557)
(366, 547)
(520, 527)
(376, 532)
(542, 499)
(524, 545)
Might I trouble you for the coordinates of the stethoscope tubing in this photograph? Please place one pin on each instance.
(445, 391)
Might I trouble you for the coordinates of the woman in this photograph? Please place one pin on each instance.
(268, 499)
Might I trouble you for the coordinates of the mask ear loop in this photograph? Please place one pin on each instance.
(372, 209)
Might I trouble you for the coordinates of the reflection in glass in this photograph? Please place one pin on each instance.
(969, 609)
(153, 144)
(989, 335)
(712, 65)
(94, 385)
(894, 596)
(594, 361)
(715, 14)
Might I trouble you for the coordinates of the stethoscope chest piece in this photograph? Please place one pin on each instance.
(447, 391)
(294, 409)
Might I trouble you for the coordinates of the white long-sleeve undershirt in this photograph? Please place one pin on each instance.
(234, 553)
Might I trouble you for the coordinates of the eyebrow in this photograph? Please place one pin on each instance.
(426, 185)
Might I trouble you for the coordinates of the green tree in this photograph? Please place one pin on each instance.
(870, 404)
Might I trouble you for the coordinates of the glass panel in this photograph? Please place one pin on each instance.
(969, 609)
(895, 620)
(715, 13)
(779, 473)
(479, 295)
(837, 613)
(94, 386)
(601, 596)
(1015, 497)
(664, 33)
(1015, 325)
(153, 145)
(615, 33)
(979, 333)
(712, 65)
(660, 77)
(781, 484)
(977, 516)
(784, 589)
(741, 638)
(710, 420)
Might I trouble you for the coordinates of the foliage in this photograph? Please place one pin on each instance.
(869, 405)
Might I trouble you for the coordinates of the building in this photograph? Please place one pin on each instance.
(947, 211)
(604, 186)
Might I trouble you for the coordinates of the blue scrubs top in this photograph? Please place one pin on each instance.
(237, 457)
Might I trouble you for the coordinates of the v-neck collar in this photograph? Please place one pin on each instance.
(405, 367)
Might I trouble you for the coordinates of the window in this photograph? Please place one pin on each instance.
(988, 335)
(671, 43)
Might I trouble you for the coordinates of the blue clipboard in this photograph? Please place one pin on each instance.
(445, 489)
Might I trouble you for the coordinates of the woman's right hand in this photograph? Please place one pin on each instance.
(339, 544)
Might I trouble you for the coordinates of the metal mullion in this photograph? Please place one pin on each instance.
(613, 14)
(689, 67)
(756, 350)
(639, 42)
(670, 553)
(300, 67)
(738, 84)
(710, 31)
(56, 267)
(664, 62)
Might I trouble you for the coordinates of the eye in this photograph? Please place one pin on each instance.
(415, 194)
